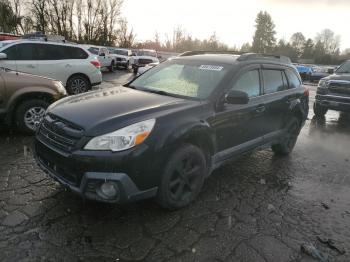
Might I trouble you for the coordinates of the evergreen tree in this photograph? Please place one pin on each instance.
(264, 39)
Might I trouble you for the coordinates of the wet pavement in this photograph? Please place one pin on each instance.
(258, 208)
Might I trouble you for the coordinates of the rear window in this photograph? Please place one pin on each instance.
(94, 50)
(273, 81)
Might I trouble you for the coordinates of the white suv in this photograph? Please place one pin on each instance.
(143, 57)
(103, 55)
(72, 65)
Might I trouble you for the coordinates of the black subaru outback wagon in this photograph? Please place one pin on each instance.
(163, 133)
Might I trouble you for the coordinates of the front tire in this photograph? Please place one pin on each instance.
(319, 110)
(286, 146)
(112, 67)
(183, 178)
(78, 84)
(29, 115)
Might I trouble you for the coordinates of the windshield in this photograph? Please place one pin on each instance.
(120, 52)
(147, 53)
(344, 68)
(94, 50)
(2, 44)
(191, 80)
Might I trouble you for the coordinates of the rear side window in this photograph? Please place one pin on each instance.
(294, 81)
(249, 82)
(21, 52)
(273, 81)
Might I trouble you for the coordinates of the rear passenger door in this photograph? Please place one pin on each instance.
(275, 93)
(55, 61)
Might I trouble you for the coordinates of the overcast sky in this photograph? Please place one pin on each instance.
(233, 20)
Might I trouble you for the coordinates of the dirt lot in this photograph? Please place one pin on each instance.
(258, 208)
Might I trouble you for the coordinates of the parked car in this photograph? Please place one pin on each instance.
(103, 55)
(70, 64)
(24, 98)
(320, 72)
(122, 56)
(162, 134)
(333, 92)
(305, 72)
(144, 57)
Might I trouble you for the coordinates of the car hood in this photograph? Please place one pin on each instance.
(154, 59)
(340, 77)
(107, 110)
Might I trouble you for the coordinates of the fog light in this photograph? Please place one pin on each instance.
(108, 190)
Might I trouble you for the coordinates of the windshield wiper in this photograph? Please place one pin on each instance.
(159, 92)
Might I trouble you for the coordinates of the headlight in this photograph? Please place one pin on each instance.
(122, 139)
(323, 83)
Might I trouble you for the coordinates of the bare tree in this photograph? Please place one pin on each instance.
(125, 36)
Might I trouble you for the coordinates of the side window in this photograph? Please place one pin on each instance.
(11, 52)
(93, 50)
(249, 82)
(273, 81)
(21, 52)
(294, 81)
(49, 52)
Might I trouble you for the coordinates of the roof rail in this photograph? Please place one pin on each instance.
(250, 56)
(39, 36)
(202, 52)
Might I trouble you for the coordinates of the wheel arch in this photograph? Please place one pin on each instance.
(79, 74)
(16, 102)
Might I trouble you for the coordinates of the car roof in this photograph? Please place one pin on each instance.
(21, 41)
(213, 58)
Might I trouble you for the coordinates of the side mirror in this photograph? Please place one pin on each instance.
(331, 71)
(237, 97)
(102, 54)
(3, 56)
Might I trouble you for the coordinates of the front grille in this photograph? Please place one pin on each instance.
(59, 133)
(145, 61)
(119, 59)
(341, 87)
(59, 171)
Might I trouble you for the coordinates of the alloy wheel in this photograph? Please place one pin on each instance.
(33, 117)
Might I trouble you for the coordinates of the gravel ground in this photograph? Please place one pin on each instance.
(258, 208)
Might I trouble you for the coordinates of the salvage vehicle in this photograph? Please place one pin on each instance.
(162, 134)
(106, 59)
(24, 98)
(333, 92)
(143, 57)
(123, 57)
(68, 63)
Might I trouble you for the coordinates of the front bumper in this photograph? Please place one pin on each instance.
(84, 179)
(334, 102)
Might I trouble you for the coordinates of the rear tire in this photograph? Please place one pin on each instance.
(29, 115)
(319, 110)
(183, 178)
(286, 146)
(78, 84)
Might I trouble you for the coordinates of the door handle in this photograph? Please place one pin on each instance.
(30, 66)
(68, 65)
(260, 109)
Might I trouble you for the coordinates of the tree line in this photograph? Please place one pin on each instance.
(82, 21)
(100, 22)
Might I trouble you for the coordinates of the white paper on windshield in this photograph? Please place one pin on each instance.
(211, 67)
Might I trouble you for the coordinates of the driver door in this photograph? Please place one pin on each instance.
(239, 127)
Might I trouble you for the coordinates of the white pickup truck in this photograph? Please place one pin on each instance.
(143, 57)
(103, 55)
(122, 56)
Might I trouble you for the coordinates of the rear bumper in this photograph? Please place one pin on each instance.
(334, 102)
(95, 78)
